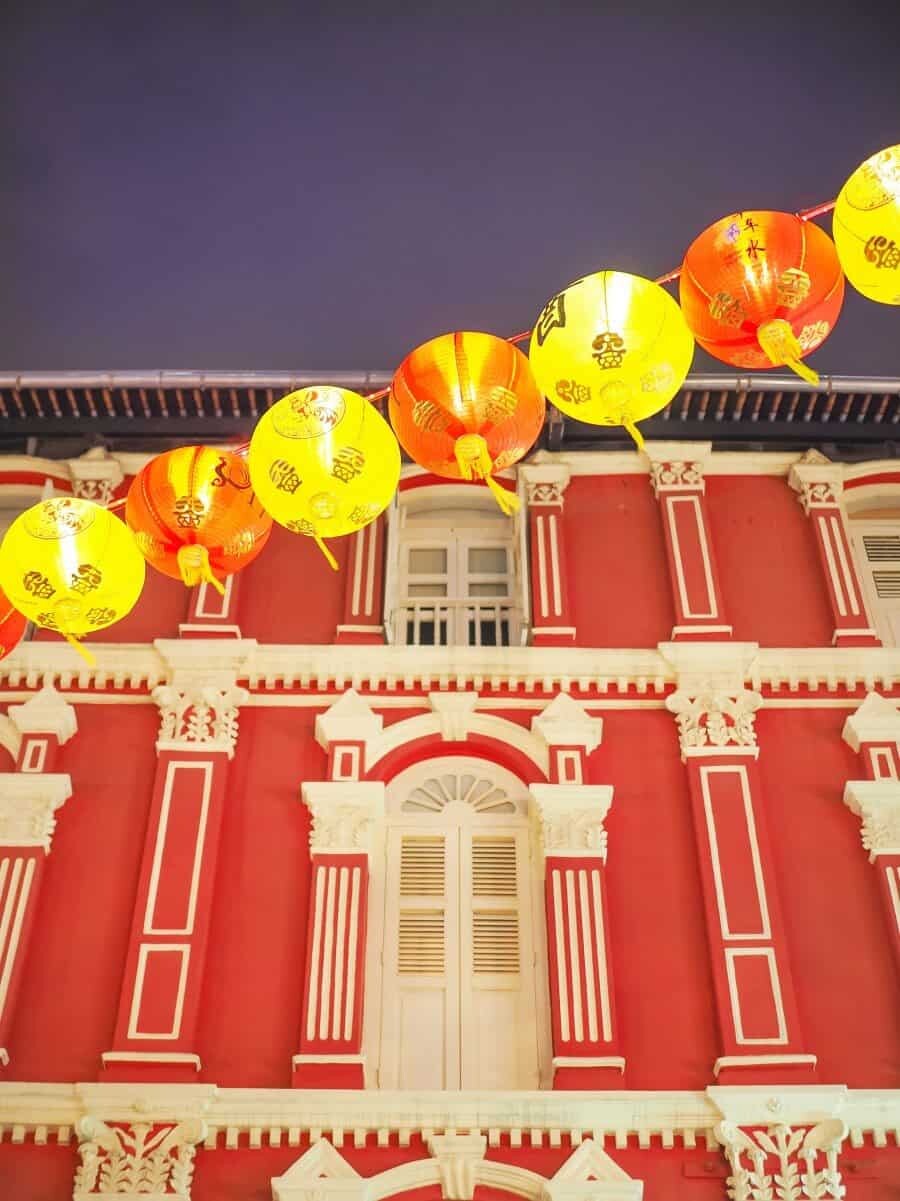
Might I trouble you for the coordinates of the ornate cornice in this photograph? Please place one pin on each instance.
(194, 717)
(564, 722)
(28, 805)
(140, 1159)
(345, 815)
(48, 712)
(876, 720)
(877, 803)
(571, 817)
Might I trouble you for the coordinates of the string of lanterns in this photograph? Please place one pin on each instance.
(757, 289)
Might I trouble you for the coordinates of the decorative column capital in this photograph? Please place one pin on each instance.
(458, 1157)
(545, 483)
(95, 476)
(877, 803)
(47, 712)
(677, 466)
(349, 719)
(28, 805)
(817, 481)
(345, 815)
(564, 722)
(715, 722)
(876, 720)
(571, 818)
(139, 1160)
(195, 717)
(803, 1161)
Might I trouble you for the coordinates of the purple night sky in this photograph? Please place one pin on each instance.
(316, 186)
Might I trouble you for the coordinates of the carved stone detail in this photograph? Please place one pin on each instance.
(349, 719)
(817, 481)
(458, 1157)
(589, 1174)
(571, 817)
(95, 476)
(676, 476)
(28, 804)
(345, 815)
(877, 802)
(47, 712)
(876, 720)
(565, 722)
(142, 1162)
(715, 719)
(545, 494)
(784, 1163)
(320, 1174)
(454, 711)
(198, 716)
(545, 484)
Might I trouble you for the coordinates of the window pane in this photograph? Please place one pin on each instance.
(499, 589)
(426, 590)
(427, 560)
(489, 560)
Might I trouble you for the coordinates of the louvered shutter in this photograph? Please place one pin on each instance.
(420, 1011)
(497, 995)
(878, 546)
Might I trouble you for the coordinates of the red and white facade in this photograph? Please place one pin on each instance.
(553, 857)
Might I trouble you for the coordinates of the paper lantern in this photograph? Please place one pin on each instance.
(465, 405)
(324, 463)
(12, 626)
(762, 289)
(195, 515)
(866, 226)
(611, 349)
(72, 566)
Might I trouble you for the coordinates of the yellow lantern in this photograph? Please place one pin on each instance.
(70, 565)
(324, 462)
(866, 226)
(611, 349)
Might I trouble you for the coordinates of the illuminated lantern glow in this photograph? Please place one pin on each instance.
(324, 463)
(762, 289)
(466, 405)
(195, 516)
(70, 565)
(866, 227)
(611, 349)
(12, 626)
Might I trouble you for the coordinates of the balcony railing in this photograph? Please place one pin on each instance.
(444, 622)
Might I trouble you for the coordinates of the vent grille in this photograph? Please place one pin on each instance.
(887, 584)
(882, 548)
(495, 940)
(422, 866)
(494, 867)
(421, 943)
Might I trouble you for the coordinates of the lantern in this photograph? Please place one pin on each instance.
(611, 349)
(324, 462)
(866, 226)
(70, 565)
(762, 289)
(195, 516)
(465, 405)
(12, 627)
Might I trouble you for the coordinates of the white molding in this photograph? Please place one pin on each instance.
(589, 1174)
(571, 817)
(10, 738)
(345, 815)
(455, 712)
(329, 1057)
(762, 1061)
(545, 483)
(817, 481)
(48, 712)
(877, 803)
(349, 719)
(28, 805)
(500, 729)
(458, 1157)
(606, 463)
(199, 716)
(876, 720)
(565, 722)
(590, 1061)
(179, 1057)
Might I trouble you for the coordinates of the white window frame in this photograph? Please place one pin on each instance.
(398, 790)
(884, 611)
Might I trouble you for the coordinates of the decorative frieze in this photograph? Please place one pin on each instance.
(779, 1161)
(877, 803)
(143, 1161)
(676, 475)
(28, 805)
(545, 484)
(345, 815)
(195, 717)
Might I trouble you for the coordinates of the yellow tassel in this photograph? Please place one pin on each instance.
(67, 612)
(634, 431)
(193, 563)
(332, 561)
(81, 648)
(780, 345)
(474, 462)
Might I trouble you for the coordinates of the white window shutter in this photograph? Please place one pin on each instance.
(878, 552)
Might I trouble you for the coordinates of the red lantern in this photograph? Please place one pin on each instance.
(12, 626)
(465, 405)
(762, 289)
(195, 516)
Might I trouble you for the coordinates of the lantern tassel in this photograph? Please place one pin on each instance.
(635, 432)
(193, 563)
(779, 342)
(67, 612)
(475, 463)
(332, 561)
(80, 647)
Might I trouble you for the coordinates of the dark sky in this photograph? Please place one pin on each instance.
(316, 186)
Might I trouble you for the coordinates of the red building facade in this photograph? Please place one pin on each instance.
(555, 857)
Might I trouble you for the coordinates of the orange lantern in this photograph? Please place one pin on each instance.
(12, 626)
(762, 289)
(195, 516)
(465, 405)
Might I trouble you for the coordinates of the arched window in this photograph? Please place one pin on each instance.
(457, 1000)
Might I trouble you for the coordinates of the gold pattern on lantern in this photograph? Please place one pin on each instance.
(793, 287)
(609, 350)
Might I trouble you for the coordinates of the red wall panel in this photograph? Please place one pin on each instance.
(290, 594)
(619, 582)
(773, 588)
